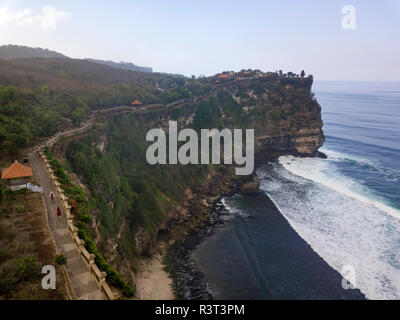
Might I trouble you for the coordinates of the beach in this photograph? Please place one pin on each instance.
(153, 281)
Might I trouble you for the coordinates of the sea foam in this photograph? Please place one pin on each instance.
(344, 230)
(320, 171)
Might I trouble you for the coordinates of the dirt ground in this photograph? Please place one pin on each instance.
(24, 233)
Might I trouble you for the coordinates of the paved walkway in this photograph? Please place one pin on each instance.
(82, 281)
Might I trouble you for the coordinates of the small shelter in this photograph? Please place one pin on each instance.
(136, 103)
(14, 173)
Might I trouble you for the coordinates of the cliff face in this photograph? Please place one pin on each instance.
(138, 204)
(283, 112)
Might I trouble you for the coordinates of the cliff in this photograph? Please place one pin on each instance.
(137, 205)
(283, 112)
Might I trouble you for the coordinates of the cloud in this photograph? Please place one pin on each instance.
(47, 19)
(51, 15)
(7, 17)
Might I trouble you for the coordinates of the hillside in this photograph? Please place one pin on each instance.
(122, 65)
(11, 52)
(38, 96)
(17, 52)
(67, 74)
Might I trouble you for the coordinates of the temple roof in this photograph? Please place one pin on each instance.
(16, 170)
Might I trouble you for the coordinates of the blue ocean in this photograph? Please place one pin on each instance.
(331, 213)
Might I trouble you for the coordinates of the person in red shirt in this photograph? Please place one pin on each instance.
(58, 212)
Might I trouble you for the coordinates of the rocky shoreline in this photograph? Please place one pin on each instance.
(189, 282)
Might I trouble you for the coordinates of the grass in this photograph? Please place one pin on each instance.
(25, 247)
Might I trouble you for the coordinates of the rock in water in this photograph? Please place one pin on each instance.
(321, 155)
(251, 185)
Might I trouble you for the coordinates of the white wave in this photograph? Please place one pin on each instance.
(340, 228)
(234, 211)
(321, 171)
(334, 155)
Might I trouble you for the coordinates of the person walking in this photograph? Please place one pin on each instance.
(58, 212)
(51, 196)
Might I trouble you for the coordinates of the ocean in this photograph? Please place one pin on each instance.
(326, 215)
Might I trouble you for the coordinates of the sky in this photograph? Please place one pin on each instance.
(209, 36)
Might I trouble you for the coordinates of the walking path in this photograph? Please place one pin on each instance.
(82, 281)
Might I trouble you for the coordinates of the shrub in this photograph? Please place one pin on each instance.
(86, 218)
(128, 291)
(80, 225)
(60, 259)
(27, 268)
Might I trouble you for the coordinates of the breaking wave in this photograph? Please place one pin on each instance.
(342, 220)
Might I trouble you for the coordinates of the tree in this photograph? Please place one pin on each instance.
(45, 90)
(302, 74)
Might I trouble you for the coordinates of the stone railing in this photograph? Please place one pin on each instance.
(88, 258)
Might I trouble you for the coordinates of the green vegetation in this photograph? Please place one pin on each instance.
(29, 114)
(208, 115)
(8, 204)
(38, 96)
(60, 259)
(81, 209)
(141, 194)
(15, 271)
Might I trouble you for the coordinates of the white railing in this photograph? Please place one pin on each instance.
(88, 258)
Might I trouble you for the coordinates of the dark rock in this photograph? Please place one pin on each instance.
(321, 155)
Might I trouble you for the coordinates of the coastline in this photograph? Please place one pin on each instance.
(190, 282)
(164, 270)
(153, 282)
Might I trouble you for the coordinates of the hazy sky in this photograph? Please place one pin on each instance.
(206, 37)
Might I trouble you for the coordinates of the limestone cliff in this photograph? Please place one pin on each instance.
(137, 205)
(283, 111)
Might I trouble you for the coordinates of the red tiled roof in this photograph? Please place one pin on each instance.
(136, 102)
(16, 170)
(224, 76)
